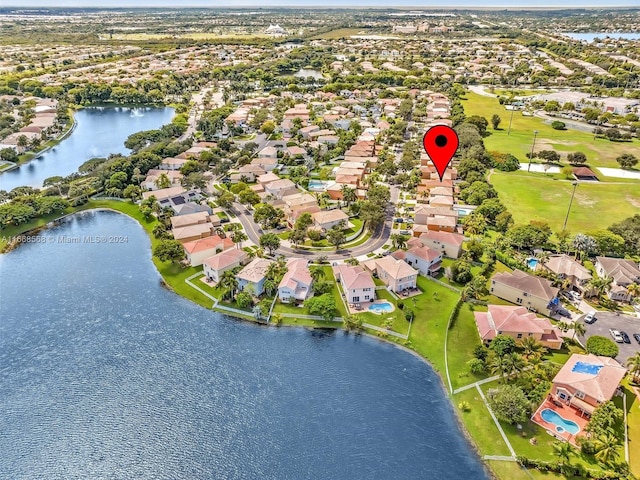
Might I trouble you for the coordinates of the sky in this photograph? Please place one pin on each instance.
(319, 3)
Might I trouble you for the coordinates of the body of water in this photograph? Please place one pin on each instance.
(588, 37)
(99, 131)
(307, 72)
(106, 374)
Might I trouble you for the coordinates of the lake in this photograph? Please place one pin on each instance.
(307, 72)
(99, 131)
(588, 37)
(106, 374)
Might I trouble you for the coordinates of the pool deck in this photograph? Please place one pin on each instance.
(365, 307)
(566, 412)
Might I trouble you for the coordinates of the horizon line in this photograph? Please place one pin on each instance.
(327, 7)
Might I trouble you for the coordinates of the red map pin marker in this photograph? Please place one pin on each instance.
(440, 143)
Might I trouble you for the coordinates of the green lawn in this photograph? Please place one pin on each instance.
(462, 339)
(633, 421)
(595, 205)
(599, 152)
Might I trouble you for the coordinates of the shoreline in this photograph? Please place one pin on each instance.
(457, 415)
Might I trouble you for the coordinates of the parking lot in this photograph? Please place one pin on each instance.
(626, 323)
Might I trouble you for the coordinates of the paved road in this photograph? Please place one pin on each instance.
(376, 241)
(217, 101)
(626, 323)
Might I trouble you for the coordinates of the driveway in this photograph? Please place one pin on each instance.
(626, 323)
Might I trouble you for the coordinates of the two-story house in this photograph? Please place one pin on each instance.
(254, 274)
(426, 260)
(356, 282)
(586, 381)
(295, 286)
(217, 264)
(449, 244)
(534, 293)
(396, 274)
(622, 273)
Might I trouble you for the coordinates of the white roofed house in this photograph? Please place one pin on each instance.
(254, 275)
(295, 286)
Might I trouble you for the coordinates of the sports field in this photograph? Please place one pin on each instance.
(600, 152)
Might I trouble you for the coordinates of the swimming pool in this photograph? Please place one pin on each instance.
(532, 263)
(318, 185)
(463, 212)
(382, 307)
(587, 368)
(562, 425)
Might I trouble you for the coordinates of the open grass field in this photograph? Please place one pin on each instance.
(463, 338)
(595, 205)
(600, 152)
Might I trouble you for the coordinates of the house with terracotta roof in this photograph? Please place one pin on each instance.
(219, 263)
(357, 284)
(426, 260)
(587, 381)
(296, 284)
(327, 219)
(516, 322)
(198, 251)
(622, 273)
(565, 267)
(530, 291)
(396, 274)
(447, 243)
(254, 274)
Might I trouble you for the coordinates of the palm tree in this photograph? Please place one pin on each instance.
(500, 366)
(238, 237)
(633, 290)
(563, 450)
(583, 245)
(317, 273)
(163, 181)
(599, 285)
(532, 348)
(543, 258)
(634, 366)
(229, 283)
(516, 363)
(348, 194)
(607, 448)
(578, 329)
(398, 240)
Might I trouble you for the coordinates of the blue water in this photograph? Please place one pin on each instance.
(317, 185)
(588, 37)
(552, 417)
(384, 307)
(532, 263)
(588, 368)
(98, 132)
(106, 374)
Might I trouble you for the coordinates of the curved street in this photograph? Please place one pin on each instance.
(376, 241)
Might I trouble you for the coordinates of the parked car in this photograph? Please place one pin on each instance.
(625, 337)
(590, 318)
(397, 220)
(615, 334)
(404, 232)
(573, 296)
(637, 337)
(563, 313)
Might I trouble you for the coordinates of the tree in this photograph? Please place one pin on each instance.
(336, 237)
(558, 125)
(317, 273)
(608, 243)
(550, 156)
(598, 286)
(348, 194)
(599, 345)
(169, 250)
(510, 404)
(229, 282)
(268, 127)
(533, 235)
(563, 450)
(479, 122)
(504, 221)
(244, 300)
(629, 229)
(9, 155)
(578, 329)
(584, 245)
(324, 305)
(495, 121)
(502, 345)
(634, 365)
(270, 241)
(238, 237)
(399, 241)
(604, 419)
(607, 448)
(372, 215)
(627, 160)
(163, 181)
(531, 347)
(461, 271)
(225, 200)
(248, 196)
(474, 223)
(577, 158)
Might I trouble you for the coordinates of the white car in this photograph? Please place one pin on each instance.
(615, 334)
(590, 318)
